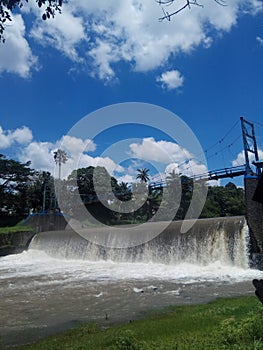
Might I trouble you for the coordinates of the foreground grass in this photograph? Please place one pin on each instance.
(224, 324)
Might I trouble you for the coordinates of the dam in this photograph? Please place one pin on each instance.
(64, 279)
(209, 240)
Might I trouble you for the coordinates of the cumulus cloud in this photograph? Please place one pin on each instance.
(16, 55)
(75, 146)
(240, 159)
(41, 154)
(130, 31)
(99, 34)
(21, 136)
(259, 40)
(175, 157)
(160, 151)
(189, 168)
(170, 156)
(171, 79)
(64, 32)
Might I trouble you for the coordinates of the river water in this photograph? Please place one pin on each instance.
(43, 291)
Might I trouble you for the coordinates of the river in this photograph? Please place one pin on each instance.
(45, 289)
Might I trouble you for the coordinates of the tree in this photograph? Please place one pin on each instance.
(60, 158)
(14, 177)
(9, 6)
(143, 175)
(41, 192)
(123, 192)
(89, 194)
(188, 3)
(224, 201)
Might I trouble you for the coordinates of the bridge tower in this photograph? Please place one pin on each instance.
(254, 209)
(250, 146)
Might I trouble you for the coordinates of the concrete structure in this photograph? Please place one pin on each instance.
(41, 222)
(15, 242)
(254, 216)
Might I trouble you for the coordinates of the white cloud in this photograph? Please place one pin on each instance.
(64, 32)
(73, 145)
(16, 55)
(104, 54)
(99, 34)
(41, 155)
(21, 135)
(240, 159)
(259, 40)
(126, 179)
(159, 151)
(171, 79)
(189, 168)
(169, 153)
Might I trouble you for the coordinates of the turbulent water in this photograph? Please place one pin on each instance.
(63, 278)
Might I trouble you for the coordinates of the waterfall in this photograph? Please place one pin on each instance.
(223, 240)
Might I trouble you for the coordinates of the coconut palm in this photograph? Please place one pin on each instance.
(143, 175)
(172, 178)
(60, 157)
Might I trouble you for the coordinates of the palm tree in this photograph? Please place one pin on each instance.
(143, 175)
(172, 178)
(60, 157)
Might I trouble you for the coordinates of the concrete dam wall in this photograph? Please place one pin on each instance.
(208, 241)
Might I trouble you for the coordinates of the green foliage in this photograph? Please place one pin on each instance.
(14, 229)
(14, 178)
(143, 175)
(40, 192)
(23, 189)
(224, 201)
(9, 6)
(225, 324)
(127, 341)
(245, 331)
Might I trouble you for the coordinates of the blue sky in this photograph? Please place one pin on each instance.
(205, 65)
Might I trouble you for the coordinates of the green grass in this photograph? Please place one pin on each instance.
(224, 324)
(13, 229)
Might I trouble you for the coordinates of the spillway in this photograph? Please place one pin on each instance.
(209, 240)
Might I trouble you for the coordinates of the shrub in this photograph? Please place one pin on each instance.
(127, 341)
(245, 331)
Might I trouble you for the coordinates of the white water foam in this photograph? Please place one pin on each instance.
(215, 251)
(35, 263)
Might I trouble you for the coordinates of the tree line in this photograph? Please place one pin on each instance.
(24, 190)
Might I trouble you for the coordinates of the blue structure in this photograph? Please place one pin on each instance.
(250, 146)
(252, 181)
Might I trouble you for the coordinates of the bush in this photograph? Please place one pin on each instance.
(245, 331)
(127, 341)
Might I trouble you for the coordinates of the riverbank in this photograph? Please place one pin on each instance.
(234, 323)
(35, 308)
(14, 240)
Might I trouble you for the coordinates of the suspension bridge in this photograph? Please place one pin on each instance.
(251, 170)
(252, 166)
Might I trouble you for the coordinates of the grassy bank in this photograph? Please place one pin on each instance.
(14, 229)
(224, 324)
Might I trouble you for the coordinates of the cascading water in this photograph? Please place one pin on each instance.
(209, 240)
(64, 278)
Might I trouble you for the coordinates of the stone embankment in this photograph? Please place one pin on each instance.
(15, 242)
